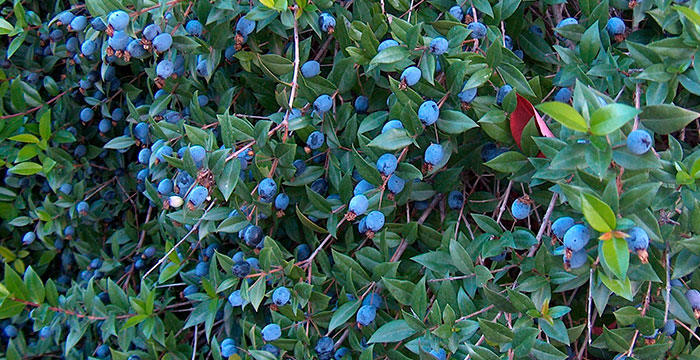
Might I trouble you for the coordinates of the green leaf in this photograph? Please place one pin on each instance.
(5, 27)
(120, 142)
(564, 114)
(666, 118)
(460, 257)
(228, 178)
(508, 162)
(615, 257)
(390, 55)
(515, 78)
(689, 13)
(611, 117)
(392, 140)
(343, 314)
(495, 332)
(590, 43)
(25, 138)
(391, 332)
(454, 122)
(256, 293)
(26, 168)
(45, 125)
(597, 213)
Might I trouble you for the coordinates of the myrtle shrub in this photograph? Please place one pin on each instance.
(393, 179)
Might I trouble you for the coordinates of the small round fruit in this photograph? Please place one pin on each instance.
(411, 75)
(520, 209)
(457, 12)
(28, 238)
(118, 20)
(395, 184)
(386, 164)
(358, 204)
(434, 154)
(392, 124)
(615, 26)
(271, 332)
(455, 199)
(327, 22)
(267, 189)
(428, 112)
(310, 69)
(375, 220)
(478, 30)
(315, 140)
(576, 238)
(253, 235)
(438, 45)
(241, 269)
(638, 239)
(387, 44)
(281, 201)
(563, 95)
(639, 142)
(163, 42)
(561, 225)
(281, 296)
(194, 28)
(502, 92)
(366, 315)
(323, 103)
(361, 104)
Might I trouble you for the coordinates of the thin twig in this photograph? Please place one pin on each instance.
(543, 226)
(502, 208)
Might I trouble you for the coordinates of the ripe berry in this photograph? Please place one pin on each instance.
(271, 332)
(88, 47)
(362, 187)
(478, 30)
(693, 297)
(310, 69)
(194, 28)
(340, 353)
(302, 252)
(253, 235)
(86, 114)
(561, 225)
(65, 17)
(361, 104)
(578, 259)
(433, 154)
(324, 346)
(439, 354)
(162, 42)
(78, 23)
(467, 95)
(151, 31)
(410, 76)
(536, 30)
(387, 44)
(375, 220)
(490, 151)
(10, 331)
(576, 238)
(197, 196)
(563, 95)
(241, 269)
(281, 201)
(323, 103)
(118, 41)
(373, 299)
(118, 20)
(202, 68)
(165, 68)
(45, 332)
(281, 296)
(428, 112)
(358, 204)
(395, 184)
(202, 269)
(508, 42)
(615, 26)
(386, 164)
(455, 199)
(638, 239)
(135, 48)
(82, 208)
(327, 22)
(457, 13)
(366, 315)
(392, 124)
(66, 188)
(165, 187)
(520, 208)
(315, 140)
(28, 238)
(235, 299)
(564, 23)
(639, 142)
(228, 348)
(438, 45)
(502, 92)
(670, 327)
(102, 351)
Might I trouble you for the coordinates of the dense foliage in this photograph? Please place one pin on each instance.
(351, 179)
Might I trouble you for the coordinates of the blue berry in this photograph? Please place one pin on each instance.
(508, 42)
(141, 131)
(457, 12)
(578, 259)
(118, 114)
(102, 351)
(151, 31)
(366, 315)
(410, 76)
(392, 124)
(386, 164)
(135, 48)
(66, 188)
(202, 269)
(229, 53)
(310, 69)
(144, 156)
(165, 68)
(439, 354)
(567, 22)
(241, 269)
(519, 53)
(82, 208)
(271, 332)
(362, 187)
(373, 299)
(428, 112)
(478, 30)
(340, 353)
(395, 184)
(235, 298)
(315, 140)
(639, 142)
(693, 297)
(375, 220)
(244, 26)
(162, 42)
(490, 151)
(281, 296)
(10, 331)
(433, 154)
(561, 225)
(502, 92)
(65, 17)
(228, 348)
(615, 26)
(202, 68)
(361, 104)
(324, 346)
(72, 45)
(164, 151)
(68, 231)
(670, 327)
(149, 252)
(358, 204)
(638, 239)
(118, 20)
(438, 45)
(302, 252)
(327, 22)
(86, 114)
(197, 196)
(520, 208)
(78, 23)
(272, 349)
(281, 201)
(28, 238)
(202, 100)
(194, 28)
(387, 44)
(455, 199)
(254, 263)
(467, 95)
(576, 238)
(253, 235)
(165, 187)
(323, 103)
(563, 95)
(119, 40)
(45, 332)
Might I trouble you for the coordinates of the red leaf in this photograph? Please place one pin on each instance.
(524, 111)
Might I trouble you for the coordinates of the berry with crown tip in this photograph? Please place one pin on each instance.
(438, 45)
(563, 95)
(410, 76)
(267, 189)
(395, 185)
(576, 238)
(366, 315)
(118, 41)
(386, 164)
(561, 225)
(615, 26)
(118, 20)
(197, 197)
(165, 187)
(323, 103)
(327, 22)
(194, 28)
(375, 221)
(466, 96)
(428, 112)
(361, 104)
(271, 332)
(151, 31)
(358, 206)
(281, 201)
(28, 238)
(502, 92)
(165, 68)
(457, 12)
(82, 208)
(228, 348)
(478, 30)
(521, 208)
(315, 141)
(65, 17)
(310, 69)
(578, 259)
(392, 124)
(324, 346)
(693, 297)
(455, 199)
(245, 26)
(241, 269)
(387, 44)
(253, 235)
(433, 154)
(639, 142)
(638, 242)
(162, 42)
(281, 296)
